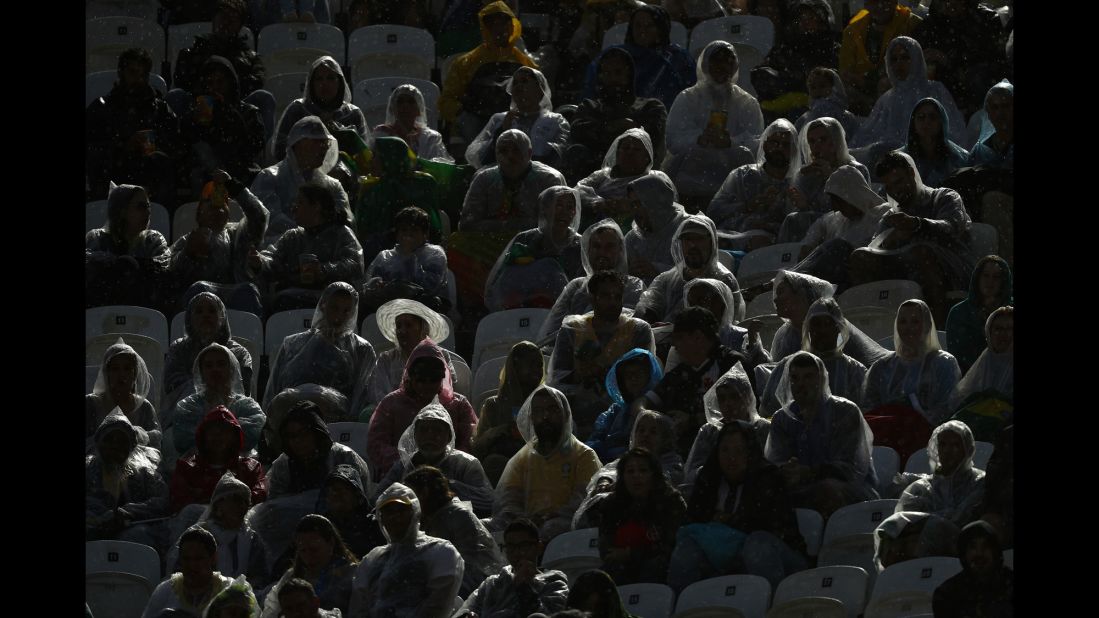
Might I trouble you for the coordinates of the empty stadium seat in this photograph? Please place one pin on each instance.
(747, 595)
(498, 331)
(647, 600)
(573, 552)
(126, 319)
(105, 38)
(292, 47)
(847, 584)
(387, 50)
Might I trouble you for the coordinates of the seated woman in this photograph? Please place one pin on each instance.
(984, 399)
(631, 376)
(427, 378)
(330, 353)
(217, 383)
(657, 215)
(405, 323)
(497, 436)
(729, 399)
(219, 448)
(819, 441)
(907, 393)
(333, 409)
(406, 118)
(739, 517)
(995, 147)
(124, 261)
(393, 184)
(122, 384)
(822, 149)
(828, 98)
(954, 489)
(990, 287)
(204, 323)
(414, 268)
(716, 296)
(327, 95)
(321, 250)
(935, 155)
(344, 501)
(603, 192)
(309, 453)
(910, 535)
(532, 113)
(322, 559)
(712, 126)
(534, 268)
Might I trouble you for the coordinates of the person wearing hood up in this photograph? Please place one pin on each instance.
(219, 448)
(532, 113)
(392, 185)
(657, 216)
(537, 264)
(415, 574)
(405, 323)
(865, 38)
(719, 299)
(298, 599)
(602, 247)
(827, 98)
(819, 441)
(205, 322)
(497, 436)
(755, 198)
(730, 399)
(321, 558)
(195, 586)
(333, 408)
(217, 383)
(634, 373)
(429, 441)
(235, 601)
(955, 488)
(985, 587)
(122, 487)
(327, 95)
(123, 384)
(909, 535)
(809, 39)
(547, 479)
(427, 379)
(344, 501)
(694, 254)
(712, 125)
(935, 154)
(995, 147)
(406, 118)
(990, 287)
(825, 334)
(124, 260)
(603, 192)
(413, 269)
(309, 453)
(447, 516)
(474, 86)
(984, 398)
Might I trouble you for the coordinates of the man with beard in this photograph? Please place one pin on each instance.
(547, 479)
(985, 587)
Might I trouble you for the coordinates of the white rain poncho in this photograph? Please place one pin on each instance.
(664, 296)
(849, 184)
(845, 374)
(467, 477)
(933, 172)
(328, 354)
(429, 142)
(699, 170)
(99, 403)
(545, 485)
(533, 264)
(993, 373)
(921, 376)
(135, 486)
(457, 523)
(607, 182)
(729, 334)
(190, 410)
(389, 368)
(937, 536)
(340, 113)
(742, 185)
(277, 186)
(179, 366)
(417, 576)
(812, 186)
(954, 496)
(834, 106)
(707, 434)
(888, 121)
(548, 130)
(659, 201)
(574, 299)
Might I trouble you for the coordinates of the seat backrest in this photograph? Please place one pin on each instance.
(120, 595)
(182, 36)
(99, 84)
(887, 293)
(390, 50)
(159, 219)
(283, 324)
(122, 557)
(857, 518)
(887, 343)
(277, 38)
(144, 9)
(1009, 558)
(812, 607)
(372, 97)
(351, 434)
(616, 35)
(760, 265)
(900, 605)
(983, 239)
(574, 543)
(811, 527)
(647, 600)
(853, 550)
(463, 377)
(504, 328)
(848, 584)
(126, 319)
(105, 38)
(750, 594)
(286, 87)
(918, 462)
(743, 31)
(761, 304)
(917, 575)
(886, 464)
(488, 375)
(876, 322)
(183, 219)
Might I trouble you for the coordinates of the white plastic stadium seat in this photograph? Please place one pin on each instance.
(747, 595)
(905, 588)
(887, 293)
(497, 332)
(811, 527)
(372, 97)
(283, 324)
(143, 9)
(573, 552)
(858, 518)
(847, 584)
(886, 464)
(616, 35)
(351, 434)
(292, 48)
(647, 600)
(463, 377)
(488, 375)
(286, 87)
(761, 265)
(388, 50)
(105, 39)
(126, 319)
(808, 607)
(983, 239)
(122, 557)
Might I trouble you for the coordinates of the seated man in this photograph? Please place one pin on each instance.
(603, 193)
(521, 588)
(547, 479)
(413, 268)
(309, 453)
(193, 588)
(656, 218)
(985, 587)
(405, 323)
(635, 373)
(925, 238)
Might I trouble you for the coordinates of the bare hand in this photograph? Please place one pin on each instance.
(253, 258)
(901, 221)
(797, 199)
(198, 243)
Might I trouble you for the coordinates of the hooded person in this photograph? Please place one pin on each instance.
(694, 254)
(712, 125)
(990, 287)
(217, 383)
(427, 379)
(730, 399)
(309, 147)
(995, 147)
(497, 436)
(404, 323)
(333, 407)
(406, 118)
(320, 557)
(234, 600)
(393, 184)
(822, 149)
(935, 154)
(657, 218)
(532, 113)
(125, 260)
(985, 587)
(827, 98)
(327, 95)
(537, 264)
(602, 247)
(825, 332)
(330, 353)
(955, 488)
(631, 376)
(984, 397)
(204, 322)
(427, 442)
(603, 192)
(309, 453)
(344, 501)
(191, 590)
(908, 535)
(719, 299)
(123, 384)
(219, 449)
(863, 60)
(415, 574)
(820, 441)
(547, 479)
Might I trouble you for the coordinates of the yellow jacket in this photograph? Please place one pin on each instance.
(464, 68)
(853, 58)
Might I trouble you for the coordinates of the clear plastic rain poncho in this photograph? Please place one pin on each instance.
(982, 153)
(849, 184)
(706, 439)
(277, 186)
(190, 411)
(239, 595)
(932, 172)
(179, 366)
(609, 183)
(701, 170)
(429, 142)
(548, 130)
(135, 486)
(328, 354)
(888, 121)
(389, 369)
(812, 185)
(334, 406)
(109, 240)
(937, 536)
(743, 184)
(921, 376)
(290, 476)
(99, 403)
(834, 106)
(954, 496)
(341, 112)
(533, 264)
(658, 197)
(729, 334)
(993, 372)
(415, 575)
(235, 547)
